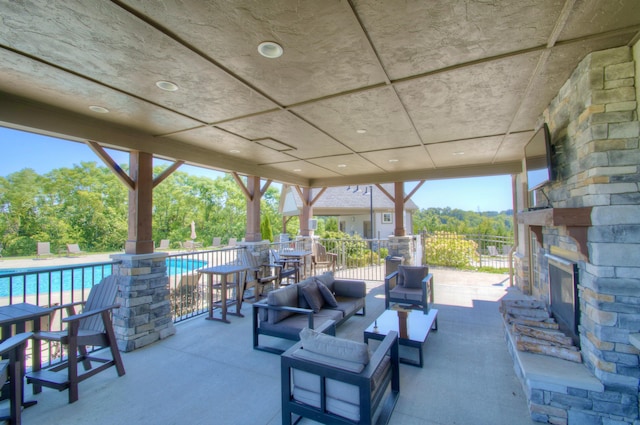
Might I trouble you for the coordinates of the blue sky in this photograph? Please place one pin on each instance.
(21, 150)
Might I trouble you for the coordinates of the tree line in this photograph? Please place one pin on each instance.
(88, 205)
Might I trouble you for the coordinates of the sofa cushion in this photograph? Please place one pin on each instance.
(313, 296)
(413, 275)
(287, 296)
(327, 295)
(350, 306)
(306, 389)
(337, 348)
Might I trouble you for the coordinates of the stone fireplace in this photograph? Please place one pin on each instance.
(586, 235)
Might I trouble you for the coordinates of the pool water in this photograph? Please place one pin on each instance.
(19, 282)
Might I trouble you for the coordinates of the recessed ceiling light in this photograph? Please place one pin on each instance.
(458, 153)
(342, 165)
(167, 85)
(393, 160)
(99, 109)
(270, 49)
(234, 151)
(297, 170)
(361, 131)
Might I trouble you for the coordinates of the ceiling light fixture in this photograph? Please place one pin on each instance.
(167, 86)
(342, 165)
(297, 170)
(99, 109)
(361, 131)
(393, 160)
(458, 153)
(234, 151)
(270, 49)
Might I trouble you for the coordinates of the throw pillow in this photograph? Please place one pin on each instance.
(329, 298)
(302, 301)
(312, 295)
(413, 276)
(326, 278)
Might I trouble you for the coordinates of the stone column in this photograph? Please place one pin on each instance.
(402, 246)
(144, 316)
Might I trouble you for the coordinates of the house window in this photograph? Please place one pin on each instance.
(387, 218)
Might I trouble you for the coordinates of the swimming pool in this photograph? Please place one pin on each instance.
(36, 281)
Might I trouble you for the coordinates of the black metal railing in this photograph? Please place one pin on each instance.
(480, 252)
(187, 289)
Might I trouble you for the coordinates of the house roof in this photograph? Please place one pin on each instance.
(340, 201)
(365, 91)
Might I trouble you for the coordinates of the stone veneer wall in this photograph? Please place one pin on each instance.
(144, 315)
(594, 126)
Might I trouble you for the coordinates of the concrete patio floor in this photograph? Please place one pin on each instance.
(208, 373)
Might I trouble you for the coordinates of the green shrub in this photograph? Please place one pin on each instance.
(450, 249)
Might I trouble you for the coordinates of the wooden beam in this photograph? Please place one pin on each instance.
(238, 180)
(166, 173)
(415, 189)
(265, 187)
(119, 172)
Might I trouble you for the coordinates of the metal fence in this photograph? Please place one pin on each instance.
(486, 252)
(187, 289)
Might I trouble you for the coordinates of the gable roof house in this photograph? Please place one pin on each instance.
(354, 210)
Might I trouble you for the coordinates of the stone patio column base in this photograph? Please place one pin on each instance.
(403, 246)
(144, 315)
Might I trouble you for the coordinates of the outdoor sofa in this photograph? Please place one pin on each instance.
(313, 301)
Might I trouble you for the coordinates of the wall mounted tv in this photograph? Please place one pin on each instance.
(537, 155)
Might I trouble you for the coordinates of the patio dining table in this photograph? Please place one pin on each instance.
(224, 271)
(299, 255)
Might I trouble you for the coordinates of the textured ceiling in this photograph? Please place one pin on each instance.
(442, 88)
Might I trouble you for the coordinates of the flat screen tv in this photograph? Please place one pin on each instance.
(537, 155)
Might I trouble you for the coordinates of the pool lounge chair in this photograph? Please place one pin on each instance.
(73, 249)
(43, 250)
(164, 244)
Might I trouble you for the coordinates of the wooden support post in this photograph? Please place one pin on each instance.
(399, 208)
(253, 233)
(140, 240)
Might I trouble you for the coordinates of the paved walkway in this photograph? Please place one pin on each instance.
(208, 372)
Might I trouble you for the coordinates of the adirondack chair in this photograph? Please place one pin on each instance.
(92, 327)
(11, 370)
(164, 244)
(260, 275)
(289, 268)
(321, 259)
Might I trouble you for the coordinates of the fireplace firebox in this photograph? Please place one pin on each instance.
(563, 295)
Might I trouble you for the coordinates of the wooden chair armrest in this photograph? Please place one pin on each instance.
(86, 314)
(15, 341)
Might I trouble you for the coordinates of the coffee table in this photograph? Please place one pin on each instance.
(413, 327)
